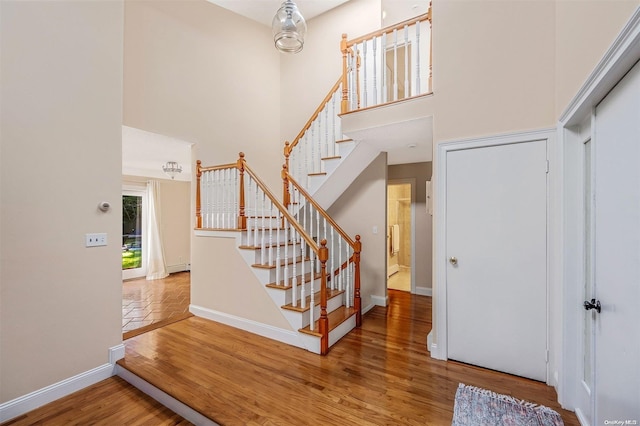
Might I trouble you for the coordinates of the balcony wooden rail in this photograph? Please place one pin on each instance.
(233, 197)
(344, 275)
(318, 138)
(364, 59)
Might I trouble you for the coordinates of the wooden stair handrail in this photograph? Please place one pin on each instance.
(322, 211)
(289, 147)
(346, 48)
(321, 251)
(389, 29)
(283, 209)
(355, 245)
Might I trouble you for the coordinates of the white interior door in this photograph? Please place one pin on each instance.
(496, 242)
(616, 140)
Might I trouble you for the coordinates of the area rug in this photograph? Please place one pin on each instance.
(480, 407)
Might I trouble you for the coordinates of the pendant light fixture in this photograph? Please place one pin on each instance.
(172, 168)
(289, 28)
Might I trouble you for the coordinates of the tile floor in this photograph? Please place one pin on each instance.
(401, 280)
(148, 302)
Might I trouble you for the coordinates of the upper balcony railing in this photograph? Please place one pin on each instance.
(387, 65)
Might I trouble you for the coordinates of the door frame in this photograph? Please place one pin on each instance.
(138, 191)
(412, 182)
(616, 62)
(438, 339)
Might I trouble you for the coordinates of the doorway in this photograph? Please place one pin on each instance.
(134, 250)
(400, 235)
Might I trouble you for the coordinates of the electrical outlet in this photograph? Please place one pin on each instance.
(95, 240)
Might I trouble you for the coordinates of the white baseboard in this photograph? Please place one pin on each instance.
(24, 404)
(289, 337)
(172, 269)
(424, 291)
(393, 269)
(116, 353)
(379, 300)
(163, 398)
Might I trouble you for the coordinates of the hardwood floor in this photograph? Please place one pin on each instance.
(380, 374)
(109, 402)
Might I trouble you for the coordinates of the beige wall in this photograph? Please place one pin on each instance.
(202, 74)
(421, 172)
(361, 207)
(175, 215)
(584, 31)
(493, 67)
(61, 121)
(307, 76)
(221, 281)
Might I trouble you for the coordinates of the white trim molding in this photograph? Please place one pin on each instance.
(439, 288)
(616, 62)
(21, 405)
(289, 337)
(424, 291)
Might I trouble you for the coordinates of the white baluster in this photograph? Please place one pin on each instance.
(204, 194)
(264, 231)
(383, 70)
(340, 277)
(278, 272)
(285, 278)
(318, 229)
(364, 74)
(326, 129)
(303, 295)
(375, 69)
(248, 207)
(312, 290)
(294, 277)
(255, 216)
(407, 91)
(333, 261)
(270, 232)
(417, 89)
(395, 65)
(225, 198)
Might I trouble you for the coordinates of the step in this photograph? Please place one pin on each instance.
(336, 318)
(283, 262)
(330, 294)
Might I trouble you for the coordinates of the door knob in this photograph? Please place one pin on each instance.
(453, 260)
(594, 304)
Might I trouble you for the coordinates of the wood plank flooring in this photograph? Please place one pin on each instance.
(380, 374)
(109, 402)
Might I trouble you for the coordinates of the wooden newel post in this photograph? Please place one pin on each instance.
(344, 104)
(323, 321)
(242, 219)
(286, 195)
(357, 302)
(198, 206)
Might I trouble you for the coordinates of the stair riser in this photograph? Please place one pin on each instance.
(290, 253)
(267, 276)
(301, 319)
(267, 223)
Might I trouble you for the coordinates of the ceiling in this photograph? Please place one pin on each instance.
(263, 10)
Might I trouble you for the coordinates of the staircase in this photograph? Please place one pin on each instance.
(307, 264)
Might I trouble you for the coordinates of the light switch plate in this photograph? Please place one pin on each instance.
(95, 240)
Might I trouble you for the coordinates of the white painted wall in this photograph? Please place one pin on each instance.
(61, 118)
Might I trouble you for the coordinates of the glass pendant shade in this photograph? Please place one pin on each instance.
(172, 168)
(289, 28)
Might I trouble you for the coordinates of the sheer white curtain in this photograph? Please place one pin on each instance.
(156, 267)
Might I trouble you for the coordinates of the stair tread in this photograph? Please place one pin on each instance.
(252, 247)
(278, 286)
(336, 318)
(335, 157)
(344, 140)
(284, 262)
(330, 294)
(317, 174)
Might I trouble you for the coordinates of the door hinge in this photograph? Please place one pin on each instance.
(547, 171)
(546, 356)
